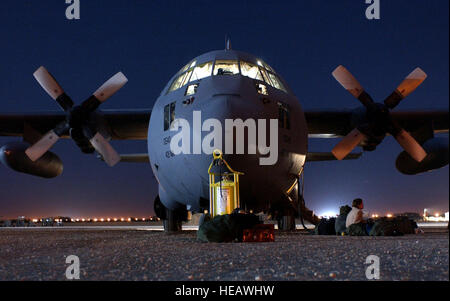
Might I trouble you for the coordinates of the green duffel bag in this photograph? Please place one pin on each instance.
(393, 226)
(358, 229)
(383, 227)
(405, 225)
(226, 228)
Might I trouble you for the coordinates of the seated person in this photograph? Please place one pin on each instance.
(355, 217)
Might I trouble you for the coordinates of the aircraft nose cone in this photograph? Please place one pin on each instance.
(226, 85)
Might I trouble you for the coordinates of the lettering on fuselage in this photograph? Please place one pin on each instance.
(166, 140)
(257, 137)
(169, 154)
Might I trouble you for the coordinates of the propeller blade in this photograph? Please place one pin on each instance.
(409, 84)
(105, 149)
(110, 87)
(349, 82)
(48, 82)
(410, 145)
(347, 144)
(51, 86)
(38, 149)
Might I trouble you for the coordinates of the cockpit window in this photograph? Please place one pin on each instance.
(190, 65)
(276, 82)
(266, 76)
(259, 71)
(270, 77)
(181, 80)
(226, 68)
(251, 71)
(268, 67)
(191, 89)
(202, 71)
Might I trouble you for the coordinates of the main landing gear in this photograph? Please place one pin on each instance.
(172, 219)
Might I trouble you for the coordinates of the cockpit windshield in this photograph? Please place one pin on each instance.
(226, 68)
(202, 71)
(193, 72)
(251, 71)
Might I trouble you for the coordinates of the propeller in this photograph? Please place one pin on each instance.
(78, 117)
(378, 115)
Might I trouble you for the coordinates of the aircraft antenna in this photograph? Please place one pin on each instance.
(227, 42)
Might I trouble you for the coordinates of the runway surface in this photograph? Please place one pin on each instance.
(136, 254)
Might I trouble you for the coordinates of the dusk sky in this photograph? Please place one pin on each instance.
(149, 41)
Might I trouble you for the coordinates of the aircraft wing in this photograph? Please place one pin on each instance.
(133, 124)
(332, 124)
(121, 124)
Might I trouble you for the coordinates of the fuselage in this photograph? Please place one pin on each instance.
(226, 85)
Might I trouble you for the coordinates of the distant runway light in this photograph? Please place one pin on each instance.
(328, 214)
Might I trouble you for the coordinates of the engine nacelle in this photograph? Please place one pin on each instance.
(13, 156)
(437, 150)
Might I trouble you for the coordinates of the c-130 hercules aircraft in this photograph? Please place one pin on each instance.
(226, 85)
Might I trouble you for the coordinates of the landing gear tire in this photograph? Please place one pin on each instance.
(173, 222)
(172, 219)
(286, 223)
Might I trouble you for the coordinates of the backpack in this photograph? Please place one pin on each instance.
(326, 227)
(340, 226)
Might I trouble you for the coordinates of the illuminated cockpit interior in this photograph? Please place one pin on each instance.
(193, 72)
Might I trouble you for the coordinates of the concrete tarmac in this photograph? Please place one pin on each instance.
(139, 253)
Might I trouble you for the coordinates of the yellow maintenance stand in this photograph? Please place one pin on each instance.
(223, 194)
